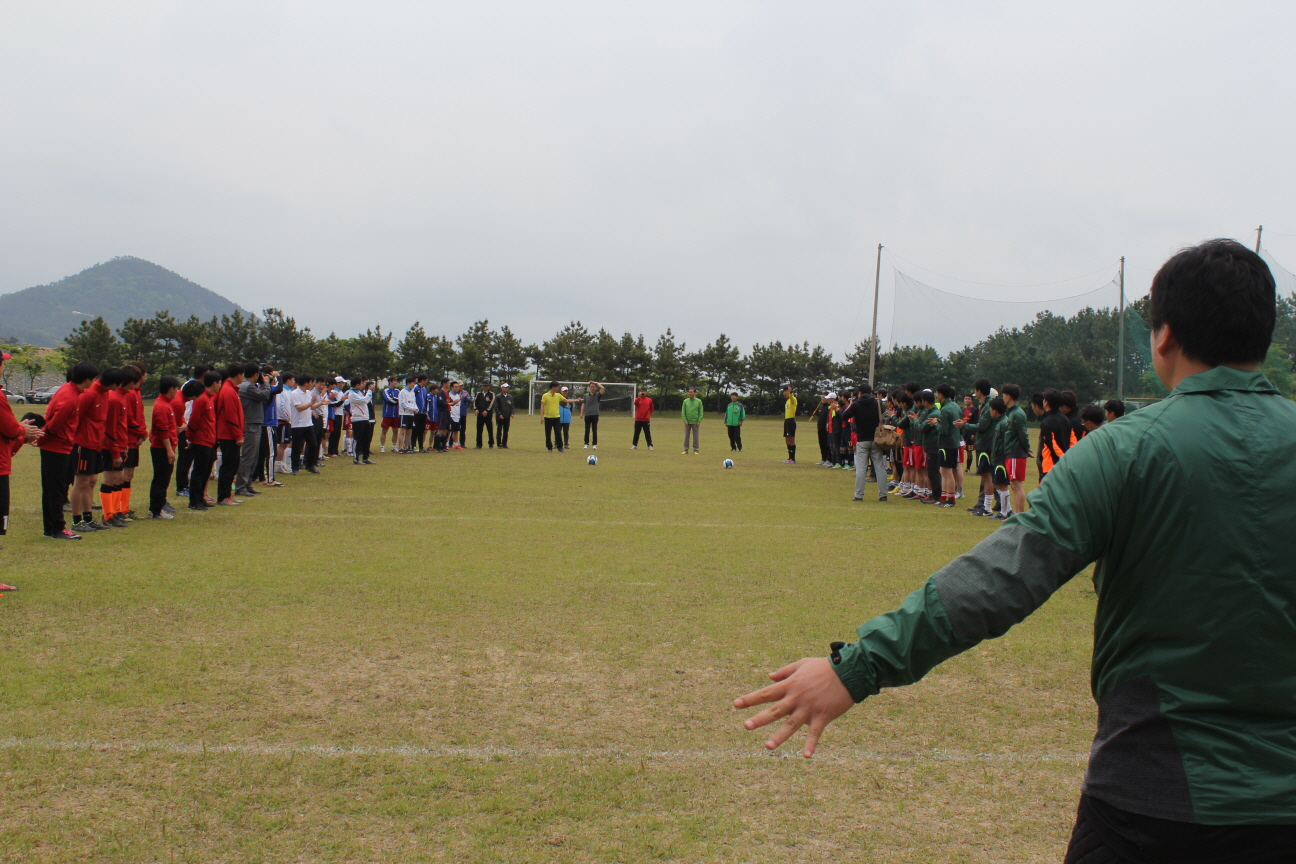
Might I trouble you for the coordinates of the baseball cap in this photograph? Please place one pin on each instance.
(562, 389)
(831, 395)
(5, 355)
(340, 380)
(504, 385)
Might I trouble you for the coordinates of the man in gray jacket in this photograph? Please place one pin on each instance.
(254, 393)
(503, 416)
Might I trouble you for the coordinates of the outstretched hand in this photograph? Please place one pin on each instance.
(807, 692)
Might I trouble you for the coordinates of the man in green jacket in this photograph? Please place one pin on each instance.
(735, 414)
(1194, 661)
(691, 411)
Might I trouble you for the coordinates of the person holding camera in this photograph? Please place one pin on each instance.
(259, 387)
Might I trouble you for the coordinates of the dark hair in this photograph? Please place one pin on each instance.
(552, 384)
(1053, 397)
(421, 377)
(211, 377)
(998, 404)
(192, 389)
(912, 387)
(167, 383)
(945, 390)
(139, 364)
(200, 370)
(355, 382)
(1012, 390)
(111, 376)
(286, 377)
(1115, 406)
(131, 374)
(83, 371)
(250, 368)
(926, 396)
(233, 370)
(1038, 399)
(409, 379)
(304, 379)
(1219, 300)
(982, 385)
(1093, 414)
(432, 385)
(906, 399)
(266, 369)
(1069, 399)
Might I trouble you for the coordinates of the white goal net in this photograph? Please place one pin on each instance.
(618, 396)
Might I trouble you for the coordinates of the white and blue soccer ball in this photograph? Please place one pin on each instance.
(592, 460)
(728, 463)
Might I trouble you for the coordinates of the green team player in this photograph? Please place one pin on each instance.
(947, 443)
(1194, 657)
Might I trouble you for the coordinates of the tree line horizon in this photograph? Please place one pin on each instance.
(1076, 353)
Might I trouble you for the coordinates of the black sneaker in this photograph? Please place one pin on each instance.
(199, 507)
(313, 470)
(999, 517)
(927, 499)
(65, 534)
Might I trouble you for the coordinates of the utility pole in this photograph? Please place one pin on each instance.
(1120, 338)
(877, 276)
(1260, 231)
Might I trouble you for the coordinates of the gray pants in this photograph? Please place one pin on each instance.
(864, 451)
(248, 456)
(691, 427)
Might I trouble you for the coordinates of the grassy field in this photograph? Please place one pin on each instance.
(505, 656)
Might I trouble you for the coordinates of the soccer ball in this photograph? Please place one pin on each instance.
(728, 463)
(593, 460)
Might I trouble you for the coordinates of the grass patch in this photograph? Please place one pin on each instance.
(514, 656)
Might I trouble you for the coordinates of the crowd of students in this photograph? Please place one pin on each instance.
(925, 440)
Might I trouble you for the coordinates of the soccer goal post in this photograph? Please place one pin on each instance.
(617, 395)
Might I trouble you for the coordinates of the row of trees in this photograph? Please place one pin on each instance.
(1077, 353)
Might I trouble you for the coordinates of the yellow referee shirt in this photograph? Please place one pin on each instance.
(789, 408)
(550, 403)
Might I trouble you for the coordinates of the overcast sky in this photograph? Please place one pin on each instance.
(702, 166)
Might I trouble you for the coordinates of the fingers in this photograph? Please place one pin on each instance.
(783, 733)
(761, 696)
(817, 724)
(786, 671)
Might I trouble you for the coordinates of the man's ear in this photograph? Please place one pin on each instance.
(1164, 342)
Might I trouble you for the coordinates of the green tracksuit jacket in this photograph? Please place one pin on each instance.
(1194, 658)
(691, 411)
(735, 414)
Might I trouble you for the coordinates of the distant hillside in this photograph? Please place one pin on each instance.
(122, 288)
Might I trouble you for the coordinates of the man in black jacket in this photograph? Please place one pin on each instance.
(867, 414)
(485, 407)
(503, 415)
(1055, 434)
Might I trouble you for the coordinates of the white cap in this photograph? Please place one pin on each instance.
(340, 380)
(831, 395)
(993, 393)
(505, 384)
(562, 389)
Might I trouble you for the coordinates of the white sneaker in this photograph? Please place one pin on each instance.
(634, 446)
(650, 448)
(382, 449)
(586, 447)
(595, 446)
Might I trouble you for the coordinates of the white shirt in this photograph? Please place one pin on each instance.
(300, 419)
(281, 405)
(359, 404)
(456, 401)
(408, 402)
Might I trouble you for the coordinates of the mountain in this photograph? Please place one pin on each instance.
(118, 289)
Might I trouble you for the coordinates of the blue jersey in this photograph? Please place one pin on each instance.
(434, 407)
(391, 402)
(420, 396)
(564, 413)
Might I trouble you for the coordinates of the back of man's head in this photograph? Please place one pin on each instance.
(1093, 414)
(1219, 301)
(1053, 398)
(1115, 406)
(83, 372)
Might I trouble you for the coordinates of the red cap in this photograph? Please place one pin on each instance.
(4, 356)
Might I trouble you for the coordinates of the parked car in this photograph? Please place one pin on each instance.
(41, 397)
(16, 398)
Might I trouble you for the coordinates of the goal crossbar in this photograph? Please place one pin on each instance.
(579, 388)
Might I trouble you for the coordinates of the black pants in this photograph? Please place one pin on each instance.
(566, 433)
(305, 446)
(933, 470)
(1105, 834)
(553, 433)
(231, 452)
(362, 432)
(54, 490)
(184, 463)
(644, 426)
(161, 479)
(4, 504)
(485, 423)
(502, 429)
(735, 437)
(200, 465)
(825, 449)
(591, 429)
(335, 436)
(420, 431)
(265, 448)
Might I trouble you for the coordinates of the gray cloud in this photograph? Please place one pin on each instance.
(707, 167)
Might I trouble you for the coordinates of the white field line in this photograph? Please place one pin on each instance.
(604, 522)
(844, 506)
(488, 751)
